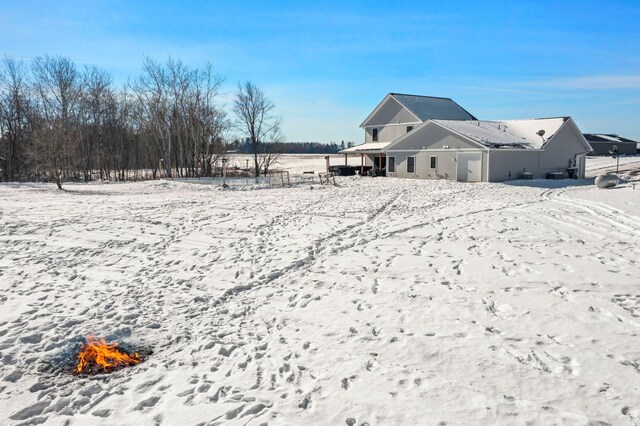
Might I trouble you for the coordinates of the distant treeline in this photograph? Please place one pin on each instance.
(245, 147)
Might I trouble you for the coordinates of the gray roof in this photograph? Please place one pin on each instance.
(604, 137)
(428, 107)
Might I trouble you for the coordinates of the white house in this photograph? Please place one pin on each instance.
(398, 114)
(465, 149)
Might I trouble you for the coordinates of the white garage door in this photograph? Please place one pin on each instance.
(469, 166)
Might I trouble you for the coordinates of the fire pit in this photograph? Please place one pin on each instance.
(97, 356)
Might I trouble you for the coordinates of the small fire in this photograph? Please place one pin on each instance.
(102, 354)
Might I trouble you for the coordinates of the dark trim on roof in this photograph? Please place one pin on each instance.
(431, 97)
(419, 96)
(596, 137)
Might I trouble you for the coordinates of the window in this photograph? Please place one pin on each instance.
(433, 162)
(411, 164)
(374, 135)
(409, 128)
(391, 168)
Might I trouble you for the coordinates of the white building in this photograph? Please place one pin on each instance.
(407, 136)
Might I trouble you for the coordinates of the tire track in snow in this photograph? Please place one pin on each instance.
(313, 255)
(600, 211)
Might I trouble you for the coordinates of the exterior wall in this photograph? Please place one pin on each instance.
(387, 133)
(561, 150)
(602, 148)
(391, 112)
(427, 141)
(401, 164)
(432, 136)
(557, 154)
(510, 164)
(445, 164)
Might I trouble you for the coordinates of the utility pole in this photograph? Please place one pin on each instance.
(614, 151)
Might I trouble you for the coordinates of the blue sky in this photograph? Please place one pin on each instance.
(327, 64)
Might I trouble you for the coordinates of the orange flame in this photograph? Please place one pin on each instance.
(106, 355)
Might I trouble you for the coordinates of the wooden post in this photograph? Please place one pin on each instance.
(345, 160)
(326, 158)
(224, 173)
(361, 164)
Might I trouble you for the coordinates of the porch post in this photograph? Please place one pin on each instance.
(345, 160)
(361, 164)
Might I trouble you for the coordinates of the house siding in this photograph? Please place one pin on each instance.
(445, 164)
(387, 133)
(505, 165)
(401, 164)
(432, 136)
(427, 141)
(391, 112)
(560, 150)
(556, 155)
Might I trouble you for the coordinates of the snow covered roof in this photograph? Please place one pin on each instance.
(372, 148)
(429, 107)
(507, 134)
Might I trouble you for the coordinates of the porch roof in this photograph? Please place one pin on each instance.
(366, 148)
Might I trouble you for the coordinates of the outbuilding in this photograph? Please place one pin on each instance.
(604, 144)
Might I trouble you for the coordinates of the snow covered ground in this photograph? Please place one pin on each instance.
(297, 164)
(599, 165)
(380, 301)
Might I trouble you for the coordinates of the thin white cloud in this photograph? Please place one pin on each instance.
(497, 89)
(598, 82)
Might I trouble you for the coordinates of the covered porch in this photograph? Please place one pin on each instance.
(372, 155)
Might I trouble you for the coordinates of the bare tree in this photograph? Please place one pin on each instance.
(177, 108)
(270, 156)
(59, 123)
(57, 85)
(206, 122)
(154, 112)
(254, 117)
(14, 111)
(98, 98)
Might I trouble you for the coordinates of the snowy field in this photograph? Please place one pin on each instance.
(380, 301)
(297, 164)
